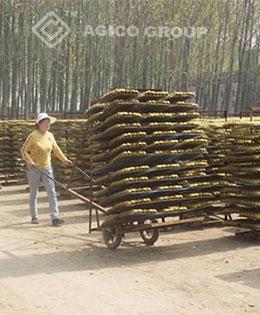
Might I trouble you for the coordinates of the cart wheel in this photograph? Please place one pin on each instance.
(112, 236)
(149, 236)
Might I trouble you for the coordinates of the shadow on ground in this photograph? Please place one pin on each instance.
(249, 278)
(95, 256)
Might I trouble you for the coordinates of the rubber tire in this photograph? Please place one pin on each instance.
(150, 240)
(112, 236)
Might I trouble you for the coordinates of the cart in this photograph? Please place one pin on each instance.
(148, 225)
(248, 228)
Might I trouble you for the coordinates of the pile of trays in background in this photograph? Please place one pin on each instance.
(243, 168)
(13, 134)
(217, 149)
(2, 150)
(234, 152)
(70, 136)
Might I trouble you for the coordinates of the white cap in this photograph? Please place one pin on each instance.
(42, 116)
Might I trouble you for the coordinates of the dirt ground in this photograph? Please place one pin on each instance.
(50, 270)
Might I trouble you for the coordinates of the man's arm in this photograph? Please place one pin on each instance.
(25, 151)
(58, 152)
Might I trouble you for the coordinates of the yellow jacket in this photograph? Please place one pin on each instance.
(38, 148)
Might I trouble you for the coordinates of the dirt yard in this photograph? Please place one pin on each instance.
(50, 270)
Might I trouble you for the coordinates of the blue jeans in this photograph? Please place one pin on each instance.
(34, 178)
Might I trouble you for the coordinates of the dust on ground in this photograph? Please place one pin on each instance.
(65, 270)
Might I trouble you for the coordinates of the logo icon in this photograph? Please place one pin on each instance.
(51, 29)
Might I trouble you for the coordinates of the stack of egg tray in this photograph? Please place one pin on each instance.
(149, 155)
(70, 136)
(215, 129)
(2, 146)
(243, 168)
(12, 164)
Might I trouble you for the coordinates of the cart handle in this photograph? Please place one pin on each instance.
(79, 196)
(80, 170)
(85, 174)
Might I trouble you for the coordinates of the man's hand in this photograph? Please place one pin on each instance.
(68, 163)
(30, 163)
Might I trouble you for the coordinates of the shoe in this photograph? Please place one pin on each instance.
(57, 222)
(35, 221)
